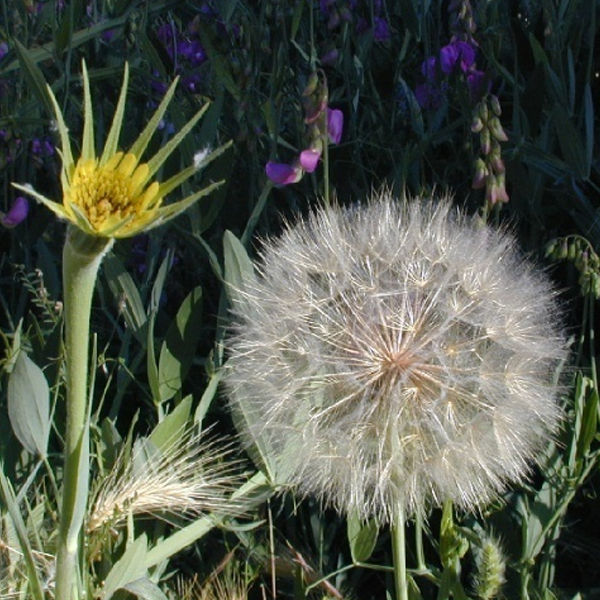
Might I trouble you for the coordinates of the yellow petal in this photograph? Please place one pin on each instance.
(127, 165)
(148, 196)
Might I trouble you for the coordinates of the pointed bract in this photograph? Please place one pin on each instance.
(114, 195)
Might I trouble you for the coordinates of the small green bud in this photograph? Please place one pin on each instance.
(495, 104)
(496, 129)
(485, 141)
(476, 125)
(483, 111)
(490, 567)
(481, 172)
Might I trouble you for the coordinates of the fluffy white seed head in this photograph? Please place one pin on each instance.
(395, 355)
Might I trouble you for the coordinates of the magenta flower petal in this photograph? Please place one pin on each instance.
(283, 174)
(17, 213)
(309, 159)
(335, 124)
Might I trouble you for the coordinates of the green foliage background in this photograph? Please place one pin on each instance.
(160, 312)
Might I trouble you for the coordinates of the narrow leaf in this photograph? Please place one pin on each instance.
(177, 350)
(8, 498)
(238, 266)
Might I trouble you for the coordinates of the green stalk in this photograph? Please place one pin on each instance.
(399, 556)
(82, 255)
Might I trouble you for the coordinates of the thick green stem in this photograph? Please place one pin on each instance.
(82, 255)
(399, 555)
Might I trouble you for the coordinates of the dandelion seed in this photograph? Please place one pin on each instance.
(389, 357)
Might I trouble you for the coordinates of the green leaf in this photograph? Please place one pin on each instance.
(588, 105)
(254, 492)
(34, 76)
(8, 498)
(238, 266)
(28, 398)
(129, 568)
(362, 537)
(127, 296)
(177, 350)
(207, 397)
(145, 589)
(569, 140)
(589, 424)
(172, 425)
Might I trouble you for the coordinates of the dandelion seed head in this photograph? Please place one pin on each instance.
(392, 356)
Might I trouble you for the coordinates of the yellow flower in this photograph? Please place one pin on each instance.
(115, 195)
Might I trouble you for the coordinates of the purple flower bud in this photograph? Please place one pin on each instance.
(283, 174)
(429, 68)
(36, 146)
(381, 30)
(330, 58)
(335, 125)
(16, 214)
(48, 147)
(3, 50)
(309, 159)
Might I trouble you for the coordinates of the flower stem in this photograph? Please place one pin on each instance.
(399, 555)
(82, 255)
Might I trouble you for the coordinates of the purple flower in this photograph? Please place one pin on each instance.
(381, 30)
(283, 174)
(457, 52)
(429, 95)
(3, 50)
(192, 51)
(335, 124)
(16, 214)
(309, 159)
(42, 148)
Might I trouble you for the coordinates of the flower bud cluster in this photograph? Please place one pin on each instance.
(490, 171)
(581, 253)
(323, 124)
(462, 23)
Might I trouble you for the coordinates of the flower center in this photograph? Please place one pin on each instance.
(110, 193)
(103, 193)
